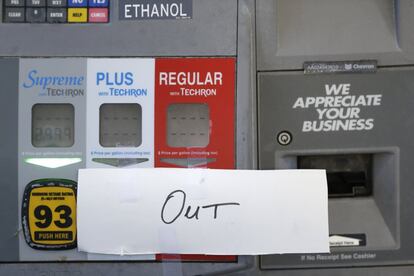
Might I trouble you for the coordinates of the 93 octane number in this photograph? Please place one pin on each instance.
(49, 214)
(44, 216)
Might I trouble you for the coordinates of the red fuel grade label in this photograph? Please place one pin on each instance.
(194, 112)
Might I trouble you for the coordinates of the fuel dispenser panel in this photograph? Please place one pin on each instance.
(106, 28)
(207, 84)
(348, 125)
(78, 113)
(82, 82)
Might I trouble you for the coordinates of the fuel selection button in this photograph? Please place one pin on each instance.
(49, 214)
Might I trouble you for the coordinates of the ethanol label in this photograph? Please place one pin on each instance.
(49, 214)
(155, 9)
(338, 109)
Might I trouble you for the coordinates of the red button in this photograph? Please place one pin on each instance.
(98, 15)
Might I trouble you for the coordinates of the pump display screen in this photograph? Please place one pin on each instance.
(188, 125)
(53, 125)
(120, 125)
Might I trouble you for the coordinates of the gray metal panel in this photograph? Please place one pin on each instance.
(292, 32)
(245, 159)
(177, 269)
(385, 216)
(211, 31)
(348, 271)
(9, 79)
(123, 269)
(246, 86)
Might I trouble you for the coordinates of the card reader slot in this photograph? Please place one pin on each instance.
(348, 175)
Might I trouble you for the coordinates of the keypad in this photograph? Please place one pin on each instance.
(56, 11)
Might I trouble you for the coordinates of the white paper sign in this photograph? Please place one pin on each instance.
(202, 211)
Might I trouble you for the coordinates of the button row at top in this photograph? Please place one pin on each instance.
(56, 3)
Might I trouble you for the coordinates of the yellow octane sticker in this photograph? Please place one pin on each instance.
(49, 214)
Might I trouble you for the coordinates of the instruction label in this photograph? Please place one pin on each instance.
(331, 258)
(338, 110)
(49, 214)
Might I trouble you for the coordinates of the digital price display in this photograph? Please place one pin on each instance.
(53, 125)
(188, 125)
(120, 125)
(49, 214)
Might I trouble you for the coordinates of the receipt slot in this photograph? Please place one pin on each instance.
(329, 97)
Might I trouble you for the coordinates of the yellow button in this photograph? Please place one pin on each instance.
(77, 15)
